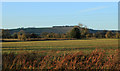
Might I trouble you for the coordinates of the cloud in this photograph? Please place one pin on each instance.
(92, 9)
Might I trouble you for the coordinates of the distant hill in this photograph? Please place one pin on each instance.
(54, 29)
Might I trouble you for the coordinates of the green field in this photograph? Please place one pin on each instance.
(62, 46)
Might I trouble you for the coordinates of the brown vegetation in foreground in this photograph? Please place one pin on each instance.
(98, 59)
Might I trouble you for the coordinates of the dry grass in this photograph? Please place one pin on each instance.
(61, 54)
(95, 60)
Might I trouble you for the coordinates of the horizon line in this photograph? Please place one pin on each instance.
(54, 26)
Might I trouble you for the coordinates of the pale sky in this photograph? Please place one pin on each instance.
(95, 15)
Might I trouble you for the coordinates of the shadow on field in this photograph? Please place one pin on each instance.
(54, 49)
(36, 39)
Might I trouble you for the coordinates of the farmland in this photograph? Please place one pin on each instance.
(66, 46)
(61, 54)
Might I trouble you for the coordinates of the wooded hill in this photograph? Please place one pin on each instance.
(54, 29)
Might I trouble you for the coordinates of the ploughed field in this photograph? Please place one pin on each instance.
(61, 46)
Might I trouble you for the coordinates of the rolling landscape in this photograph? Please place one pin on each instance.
(93, 45)
(68, 52)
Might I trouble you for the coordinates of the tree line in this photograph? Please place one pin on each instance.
(77, 32)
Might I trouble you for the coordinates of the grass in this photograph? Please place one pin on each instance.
(61, 54)
(76, 61)
(64, 46)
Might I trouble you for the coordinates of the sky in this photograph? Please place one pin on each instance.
(60, 0)
(95, 15)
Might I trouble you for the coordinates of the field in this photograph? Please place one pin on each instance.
(55, 54)
(60, 45)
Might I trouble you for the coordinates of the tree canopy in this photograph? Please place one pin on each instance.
(75, 33)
